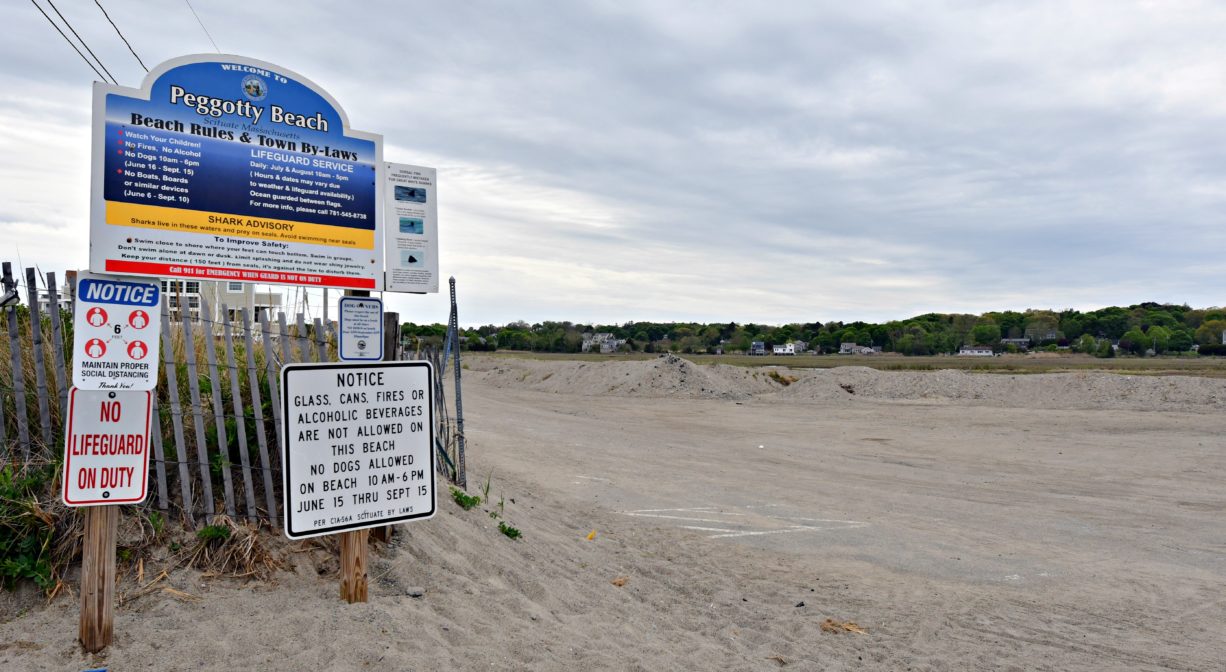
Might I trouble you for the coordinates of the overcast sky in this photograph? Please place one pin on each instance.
(750, 162)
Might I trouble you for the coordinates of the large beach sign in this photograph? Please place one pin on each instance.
(228, 168)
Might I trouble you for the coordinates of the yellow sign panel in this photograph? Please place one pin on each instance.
(221, 224)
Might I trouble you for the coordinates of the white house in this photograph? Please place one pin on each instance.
(604, 342)
(976, 351)
(785, 349)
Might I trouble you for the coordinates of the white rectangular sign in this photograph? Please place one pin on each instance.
(410, 213)
(361, 336)
(115, 333)
(358, 445)
(106, 447)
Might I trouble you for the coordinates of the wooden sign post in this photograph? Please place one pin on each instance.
(353, 565)
(98, 577)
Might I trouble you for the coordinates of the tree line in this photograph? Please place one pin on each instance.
(1138, 329)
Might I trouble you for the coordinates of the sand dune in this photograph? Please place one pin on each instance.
(964, 521)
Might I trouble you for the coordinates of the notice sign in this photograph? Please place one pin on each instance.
(116, 322)
(106, 447)
(410, 213)
(358, 449)
(227, 168)
(361, 337)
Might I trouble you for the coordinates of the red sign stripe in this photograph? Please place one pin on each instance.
(235, 274)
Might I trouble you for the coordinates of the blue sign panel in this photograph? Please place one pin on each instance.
(226, 168)
(119, 292)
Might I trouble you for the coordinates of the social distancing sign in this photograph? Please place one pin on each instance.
(116, 325)
(106, 447)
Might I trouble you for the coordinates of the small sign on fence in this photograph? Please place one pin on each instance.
(410, 213)
(106, 447)
(361, 333)
(115, 333)
(358, 448)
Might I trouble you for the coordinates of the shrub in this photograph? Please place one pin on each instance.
(26, 530)
(465, 500)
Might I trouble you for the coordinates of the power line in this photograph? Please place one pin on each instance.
(206, 30)
(70, 43)
(83, 44)
(125, 40)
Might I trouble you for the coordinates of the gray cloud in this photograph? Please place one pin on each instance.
(789, 162)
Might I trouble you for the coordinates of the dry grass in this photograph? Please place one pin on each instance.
(1212, 367)
(241, 552)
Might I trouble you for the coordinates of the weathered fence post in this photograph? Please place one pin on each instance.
(391, 337)
(57, 346)
(40, 366)
(193, 387)
(159, 453)
(304, 351)
(176, 414)
(218, 410)
(274, 395)
(19, 374)
(253, 381)
(240, 419)
(461, 478)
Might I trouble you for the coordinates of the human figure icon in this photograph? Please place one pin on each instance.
(96, 317)
(95, 348)
(137, 350)
(138, 319)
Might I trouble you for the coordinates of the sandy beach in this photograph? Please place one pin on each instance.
(686, 517)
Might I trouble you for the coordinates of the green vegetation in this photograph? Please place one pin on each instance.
(26, 530)
(511, 532)
(465, 500)
(213, 533)
(1136, 329)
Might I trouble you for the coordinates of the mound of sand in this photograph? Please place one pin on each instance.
(1081, 390)
(666, 376)
(674, 377)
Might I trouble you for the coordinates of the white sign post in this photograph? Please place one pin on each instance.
(116, 326)
(358, 445)
(106, 443)
(361, 333)
(106, 447)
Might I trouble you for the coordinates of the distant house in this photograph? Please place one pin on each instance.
(785, 349)
(1038, 334)
(602, 342)
(757, 348)
(800, 346)
(847, 348)
(976, 351)
(1021, 343)
(853, 349)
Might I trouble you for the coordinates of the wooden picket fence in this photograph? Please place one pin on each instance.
(217, 411)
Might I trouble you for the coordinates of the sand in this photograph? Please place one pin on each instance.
(964, 521)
